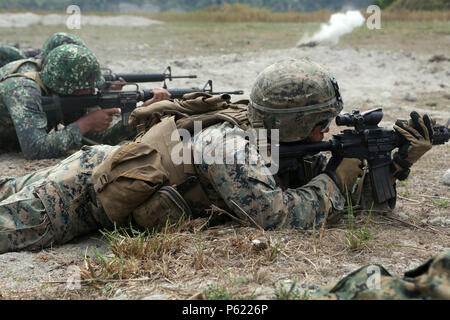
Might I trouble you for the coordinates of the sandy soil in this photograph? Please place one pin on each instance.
(417, 230)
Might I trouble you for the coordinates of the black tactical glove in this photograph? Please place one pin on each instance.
(418, 132)
(344, 172)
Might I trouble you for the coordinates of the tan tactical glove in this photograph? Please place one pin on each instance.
(419, 135)
(344, 172)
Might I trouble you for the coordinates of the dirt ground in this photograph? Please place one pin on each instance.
(225, 262)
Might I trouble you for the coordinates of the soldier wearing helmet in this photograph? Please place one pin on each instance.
(298, 99)
(295, 98)
(9, 54)
(69, 70)
(59, 39)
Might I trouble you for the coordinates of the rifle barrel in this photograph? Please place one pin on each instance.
(144, 77)
(293, 150)
(229, 92)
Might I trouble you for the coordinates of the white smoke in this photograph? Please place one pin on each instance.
(339, 24)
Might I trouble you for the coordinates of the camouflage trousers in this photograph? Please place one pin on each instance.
(428, 281)
(53, 205)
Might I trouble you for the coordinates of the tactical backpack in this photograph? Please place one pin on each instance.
(139, 181)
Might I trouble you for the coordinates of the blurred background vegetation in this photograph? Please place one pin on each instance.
(182, 5)
(211, 5)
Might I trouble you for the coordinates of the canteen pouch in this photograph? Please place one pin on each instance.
(166, 206)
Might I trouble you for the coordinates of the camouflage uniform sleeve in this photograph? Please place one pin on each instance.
(250, 187)
(24, 106)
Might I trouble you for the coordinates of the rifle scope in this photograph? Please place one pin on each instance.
(356, 119)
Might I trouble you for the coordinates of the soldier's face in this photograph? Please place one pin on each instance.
(318, 134)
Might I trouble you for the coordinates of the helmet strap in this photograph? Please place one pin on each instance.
(337, 92)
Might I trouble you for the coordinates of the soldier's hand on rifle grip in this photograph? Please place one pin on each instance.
(344, 172)
(158, 95)
(418, 133)
(96, 121)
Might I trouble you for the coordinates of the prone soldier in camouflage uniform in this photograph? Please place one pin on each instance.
(70, 69)
(9, 54)
(140, 182)
(20, 100)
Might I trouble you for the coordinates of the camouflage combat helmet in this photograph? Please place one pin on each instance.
(58, 39)
(70, 68)
(293, 96)
(9, 54)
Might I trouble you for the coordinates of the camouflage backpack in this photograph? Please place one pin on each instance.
(140, 181)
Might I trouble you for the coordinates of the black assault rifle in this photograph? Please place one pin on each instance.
(143, 77)
(56, 107)
(366, 141)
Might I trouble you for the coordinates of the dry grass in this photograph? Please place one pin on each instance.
(243, 13)
(180, 253)
(408, 15)
(233, 262)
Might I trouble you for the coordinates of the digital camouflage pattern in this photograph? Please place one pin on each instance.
(9, 54)
(23, 121)
(58, 39)
(292, 96)
(248, 186)
(71, 68)
(53, 205)
(428, 281)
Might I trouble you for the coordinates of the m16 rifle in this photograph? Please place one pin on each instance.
(365, 141)
(57, 107)
(143, 77)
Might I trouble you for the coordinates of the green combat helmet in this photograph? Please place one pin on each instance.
(70, 68)
(293, 96)
(58, 39)
(9, 54)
